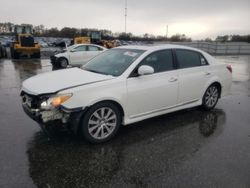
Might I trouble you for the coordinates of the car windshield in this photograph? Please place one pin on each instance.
(113, 62)
(71, 46)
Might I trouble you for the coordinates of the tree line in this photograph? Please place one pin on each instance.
(70, 32)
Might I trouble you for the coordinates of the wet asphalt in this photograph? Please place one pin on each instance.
(190, 148)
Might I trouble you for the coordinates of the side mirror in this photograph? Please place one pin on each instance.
(145, 70)
(73, 50)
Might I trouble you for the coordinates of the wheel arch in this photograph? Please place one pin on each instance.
(217, 83)
(78, 116)
(63, 57)
(110, 101)
(214, 80)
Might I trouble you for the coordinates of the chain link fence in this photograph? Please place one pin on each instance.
(217, 48)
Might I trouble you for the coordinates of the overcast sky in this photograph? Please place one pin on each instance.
(195, 18)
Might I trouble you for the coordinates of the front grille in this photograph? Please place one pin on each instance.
(31, 101)
(53, 59)
(27, 41)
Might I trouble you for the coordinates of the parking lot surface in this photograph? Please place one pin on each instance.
(190, 148)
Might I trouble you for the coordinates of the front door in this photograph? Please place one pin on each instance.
(92, 51)
(156, 92)
(77, 55)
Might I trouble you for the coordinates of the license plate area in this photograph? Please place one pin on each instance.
(51, 115)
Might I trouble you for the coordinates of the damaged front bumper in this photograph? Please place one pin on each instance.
(69, 117)
(32, 106)
(45, 116)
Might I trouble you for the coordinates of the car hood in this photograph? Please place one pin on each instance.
(60, 54)
(53, 82)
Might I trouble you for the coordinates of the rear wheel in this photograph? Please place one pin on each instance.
(101, 122)
(211, 97)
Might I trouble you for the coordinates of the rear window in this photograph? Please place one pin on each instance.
(93, 48)
(188, 58)
(161, 61)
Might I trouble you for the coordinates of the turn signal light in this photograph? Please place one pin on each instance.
(56, 101)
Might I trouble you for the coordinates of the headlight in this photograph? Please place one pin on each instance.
(55, 101)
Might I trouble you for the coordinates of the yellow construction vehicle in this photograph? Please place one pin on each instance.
(91, 37)
(82, 40)
(109, 43)
(24, 44)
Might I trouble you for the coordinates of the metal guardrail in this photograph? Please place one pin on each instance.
(217, 48)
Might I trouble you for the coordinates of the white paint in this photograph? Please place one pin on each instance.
(77, 58)
(141, 97)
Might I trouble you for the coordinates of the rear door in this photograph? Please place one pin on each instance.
(192, 75)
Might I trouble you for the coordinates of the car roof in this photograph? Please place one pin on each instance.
(75, 45)
(157, 47)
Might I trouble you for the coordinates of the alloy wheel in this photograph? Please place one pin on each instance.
(211, 96)
(102, 123)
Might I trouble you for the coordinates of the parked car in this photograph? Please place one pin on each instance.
(125, 85)
(43, 44)
(76, 55)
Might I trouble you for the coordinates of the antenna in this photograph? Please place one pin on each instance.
(126, 9)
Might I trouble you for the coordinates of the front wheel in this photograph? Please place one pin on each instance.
(211, 97)
(101, 122)
(63, 63)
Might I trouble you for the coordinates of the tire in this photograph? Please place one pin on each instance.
(5, 54)
(11, 52)
(36, 55)
(16, 55)
(211, 97)
(101, 122)
(63, 62)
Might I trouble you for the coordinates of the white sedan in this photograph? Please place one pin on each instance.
(76, 55)
(125, 85)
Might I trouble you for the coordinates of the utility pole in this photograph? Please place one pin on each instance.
(126, 16)
(167, 31)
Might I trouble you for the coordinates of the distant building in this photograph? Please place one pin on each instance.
(6, 28)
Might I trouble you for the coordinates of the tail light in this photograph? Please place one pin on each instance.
(229, 67)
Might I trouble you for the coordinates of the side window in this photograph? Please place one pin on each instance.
(93, 48)
(161, 61)
(80, 48)
(187, 58)
(203, 60)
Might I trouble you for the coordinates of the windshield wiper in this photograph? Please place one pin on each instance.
(94, 71)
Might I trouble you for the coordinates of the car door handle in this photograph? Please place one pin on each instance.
(172, 79)
(207, 73)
